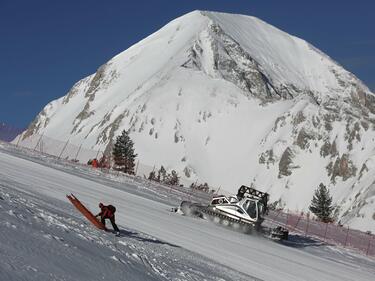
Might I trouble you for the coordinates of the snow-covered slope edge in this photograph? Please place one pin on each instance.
(231, 100)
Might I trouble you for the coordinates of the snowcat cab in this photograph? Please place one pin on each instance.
(249, 206)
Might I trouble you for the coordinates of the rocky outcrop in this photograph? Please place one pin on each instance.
(342, 167)
(286, 163)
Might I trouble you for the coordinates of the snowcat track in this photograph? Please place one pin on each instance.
(222, 216)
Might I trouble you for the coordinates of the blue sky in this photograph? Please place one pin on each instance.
(46, 46)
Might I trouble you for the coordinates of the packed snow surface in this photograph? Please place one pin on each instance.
(47, 239)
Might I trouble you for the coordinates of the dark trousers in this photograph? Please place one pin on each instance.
(112, 220)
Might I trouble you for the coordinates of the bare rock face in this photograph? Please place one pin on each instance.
(40, 122)
(286, 162)
(328, 149)
(304, 138)
(267, 158)
(342, 167)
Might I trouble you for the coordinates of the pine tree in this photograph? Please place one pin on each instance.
(173, 178)
(123, 153)
(321, 204)
(162, 174)
(152, 176)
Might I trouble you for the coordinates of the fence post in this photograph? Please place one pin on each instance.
(19, 138)
(136, 167)
(346, 238)
(62, 151)
(307, 225)
(325, 232)
(97, 154)
(41, 146)
(38, 142)
(299, 218)
(369, 245)
(217, 192)
(274, 222)
(287, 217)
(190, 193)
(79, 149)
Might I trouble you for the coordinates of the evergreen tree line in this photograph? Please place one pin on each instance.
(124, 159)
(163, 176)
(202, 187)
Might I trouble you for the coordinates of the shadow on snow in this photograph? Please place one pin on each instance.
(137, 236)
(298, 241)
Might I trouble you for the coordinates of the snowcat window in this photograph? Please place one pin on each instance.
(233, 199)
(240, 211)
(260, 208)
(251, 208)
(221, 200)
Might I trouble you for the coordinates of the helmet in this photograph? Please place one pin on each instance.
(101, 205)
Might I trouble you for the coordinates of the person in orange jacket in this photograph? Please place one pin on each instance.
(95, 163)
(108, 212)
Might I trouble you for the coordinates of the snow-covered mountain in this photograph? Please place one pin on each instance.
(229, 100)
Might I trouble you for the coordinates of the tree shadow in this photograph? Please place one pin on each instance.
(137, 236)
(299, 241)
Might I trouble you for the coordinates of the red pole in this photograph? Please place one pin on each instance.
(346, 238)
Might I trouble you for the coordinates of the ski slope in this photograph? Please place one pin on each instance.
(188, 248)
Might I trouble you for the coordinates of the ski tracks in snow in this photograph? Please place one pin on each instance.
(47, 240)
